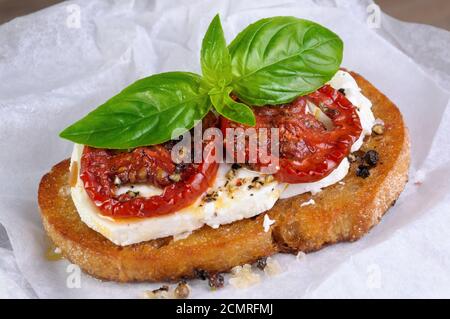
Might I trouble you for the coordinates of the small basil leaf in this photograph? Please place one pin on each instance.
(277, 59)
(227, 107)
(145, 113)
(214, 57)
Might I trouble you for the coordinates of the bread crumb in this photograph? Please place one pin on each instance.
(182, 290)
(300, 255)
(267, 223)
(243, 276)
(272, 267)
(310, 202)
(117, 181)
(378, 127)
(161, 293)
(341, 183)
(54, 253)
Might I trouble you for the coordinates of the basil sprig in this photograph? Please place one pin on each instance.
(215, 59)
(216, 68)
(270, 62)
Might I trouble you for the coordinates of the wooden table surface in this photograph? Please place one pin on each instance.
(434, 12)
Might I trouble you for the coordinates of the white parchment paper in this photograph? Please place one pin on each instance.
(60, 63)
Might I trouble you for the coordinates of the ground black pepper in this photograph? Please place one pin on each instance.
(216, 281)
(235, 166)
(201, 274)
(261, 263)
(371, 158)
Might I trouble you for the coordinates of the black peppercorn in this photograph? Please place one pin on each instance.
(371, 158)
(216, 281)
(261, 263)
(201, 274)
(363, 171)
(236, 166)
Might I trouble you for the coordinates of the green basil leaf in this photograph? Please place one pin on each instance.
(227, 107)
(214, 57)
(147, 112)
(277, 59)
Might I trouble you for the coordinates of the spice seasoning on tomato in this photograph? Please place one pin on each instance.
(308, 149)
(102, 170)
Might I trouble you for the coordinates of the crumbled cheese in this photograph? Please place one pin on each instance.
(230, 174)
(175, 178)
(182, 236)
(419, 177)
(341, 183)
(269, 179)
(117, 181)
(57, 250)
(272, 267)
(267, 223)
(310, 202)
(300, 255)
(243, 276)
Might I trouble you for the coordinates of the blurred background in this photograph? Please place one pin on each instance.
(434, 12)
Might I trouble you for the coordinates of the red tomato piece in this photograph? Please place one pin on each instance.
(308, 149)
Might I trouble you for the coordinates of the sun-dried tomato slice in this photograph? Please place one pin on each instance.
(101, 170)
(309, 149)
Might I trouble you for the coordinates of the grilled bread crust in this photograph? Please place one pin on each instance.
(342, 212)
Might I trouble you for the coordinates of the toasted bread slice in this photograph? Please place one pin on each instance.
(342, 212)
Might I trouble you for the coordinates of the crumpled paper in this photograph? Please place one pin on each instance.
(59, 63)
